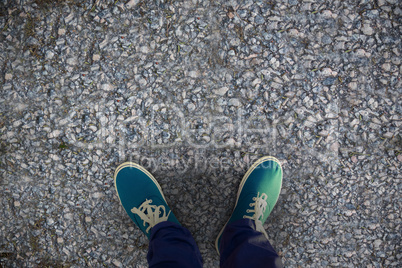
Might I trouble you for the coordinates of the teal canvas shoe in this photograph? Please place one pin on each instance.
(257, 195)
(141, 196)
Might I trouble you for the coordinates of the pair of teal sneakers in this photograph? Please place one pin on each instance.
(143, 199)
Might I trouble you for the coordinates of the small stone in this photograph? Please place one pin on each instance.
(61, 31)
(259, 20)
(308, 102)
(326, 13)
(360, 52)
(88, 219)
(8, 76)
(352, 85)
(367, 30)
(17, 203)
(60, 240)
(193, 74)
(396, 60)
(348, 213)
(230, 15)
(117, 263)
(220, 91)
(354, 122)
(110, 139)
(234, 102)
(191, 107)
(72, 61)
(377, 243)
(7, 86)
(354, 159)
(97, 195)
(132, 3)
(54, 133)
(276, 85)
(386, 67)
(49, 55)
(256, 81)
(400, 157)
(144, 49)
(96, 57)
(107, 87)
(329, 81)
(349, 254)
(335, 146)
(328, 72)
(69, 18)
(175, 191)
(326, 39)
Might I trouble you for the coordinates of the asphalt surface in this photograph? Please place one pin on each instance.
(196, 91)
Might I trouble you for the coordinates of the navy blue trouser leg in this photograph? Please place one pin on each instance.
(242, 246)
(172, 245)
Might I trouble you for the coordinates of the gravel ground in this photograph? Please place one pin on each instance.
(196, 91)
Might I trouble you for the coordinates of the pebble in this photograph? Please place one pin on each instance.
(107, 87)
(220, 91)
(72, 61)
(259, 20)
(132, 3)
(49, 55)
(55, 133)
(61, 31)
(234, 102)
(117, 263)
(386, 67)
(352, 85)
(96, 57)
(367, 30)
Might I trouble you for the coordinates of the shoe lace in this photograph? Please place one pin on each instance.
(151, 213)
(260, 204)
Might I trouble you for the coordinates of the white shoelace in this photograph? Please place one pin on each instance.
(260, 204)
(151, 213)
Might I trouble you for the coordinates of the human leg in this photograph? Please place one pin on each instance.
(243, 246)
(172, 245)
